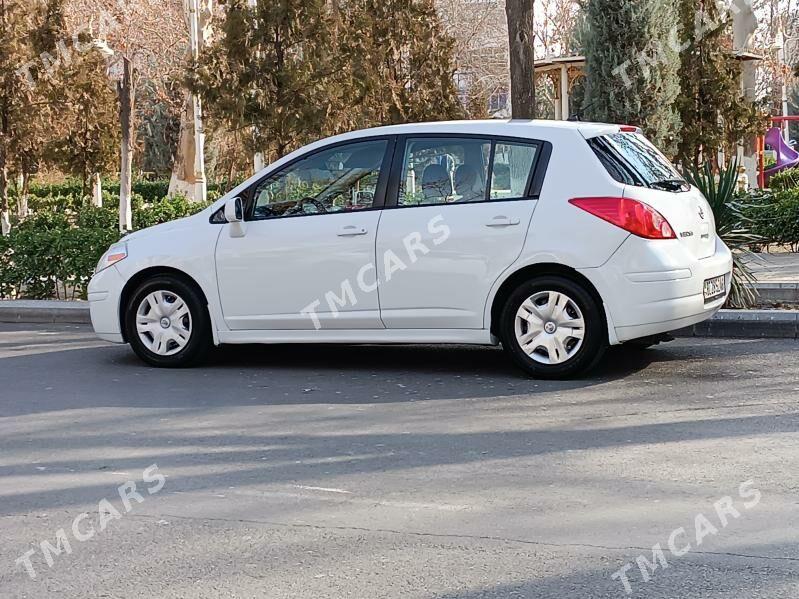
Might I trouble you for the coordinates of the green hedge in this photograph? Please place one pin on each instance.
(774, 216)
(149, 191)
(53, 253)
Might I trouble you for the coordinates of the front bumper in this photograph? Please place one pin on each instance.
(105, 291)
(653, 287)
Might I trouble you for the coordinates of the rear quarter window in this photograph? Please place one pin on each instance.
(630, 158)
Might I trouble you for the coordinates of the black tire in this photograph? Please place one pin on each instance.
(594, 341)
(200, 340)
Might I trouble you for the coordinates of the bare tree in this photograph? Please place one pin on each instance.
(148, 41)
(555, 26)
(480, 32)
(521, 27)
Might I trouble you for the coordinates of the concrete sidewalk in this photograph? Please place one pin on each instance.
(780, 267)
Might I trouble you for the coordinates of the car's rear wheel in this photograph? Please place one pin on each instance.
(553, 328)
(167, 323)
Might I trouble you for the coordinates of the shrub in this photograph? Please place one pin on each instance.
(53, 253)
(786, 218)
(168, 209)
(787, 179)
(775, 216)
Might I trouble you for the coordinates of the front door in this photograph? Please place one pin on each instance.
(306, 260)
(460, 218)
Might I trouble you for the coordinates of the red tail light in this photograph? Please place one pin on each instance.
(631, 215)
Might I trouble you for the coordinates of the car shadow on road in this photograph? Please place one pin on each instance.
(444, 359)
(54, 377)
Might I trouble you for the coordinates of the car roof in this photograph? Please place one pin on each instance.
(511, 128)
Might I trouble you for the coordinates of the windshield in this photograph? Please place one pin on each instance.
(630, 158)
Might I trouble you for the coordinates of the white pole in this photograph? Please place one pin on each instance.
(258, 158)
(97, 190)
(564, 92)
(779, 43)
(200, 184)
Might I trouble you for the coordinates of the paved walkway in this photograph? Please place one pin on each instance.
(776, 268)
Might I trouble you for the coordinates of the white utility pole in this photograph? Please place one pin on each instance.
(779, 46)
(258, 159)
(200, 183)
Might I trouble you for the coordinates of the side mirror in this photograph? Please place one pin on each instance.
(234, 214)
(234, 211)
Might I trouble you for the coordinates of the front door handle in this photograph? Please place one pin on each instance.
(503, 221)
(352, 231)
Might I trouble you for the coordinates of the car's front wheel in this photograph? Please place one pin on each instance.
(553, 328)
(167, 323)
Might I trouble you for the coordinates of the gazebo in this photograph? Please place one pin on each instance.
(564, 72)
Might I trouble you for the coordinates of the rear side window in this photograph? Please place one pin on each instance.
(441, 170)
(630, 158)
(513, 166)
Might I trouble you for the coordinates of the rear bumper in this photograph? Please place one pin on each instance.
(652, 287)
(105, 290)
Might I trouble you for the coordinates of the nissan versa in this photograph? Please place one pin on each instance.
(554, 239)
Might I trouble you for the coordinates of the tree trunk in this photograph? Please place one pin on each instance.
(22, 198)
(97, 190)
(522, 57)
(188, 172)
(126, 105)
(182, 181)
(5, 218)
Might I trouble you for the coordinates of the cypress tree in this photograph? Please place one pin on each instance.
(291, 72)
(632, 67)
(268, 73)
(398, 62)
(714, 113)
(17, 21)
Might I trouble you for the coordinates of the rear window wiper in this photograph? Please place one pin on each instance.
(670, 185)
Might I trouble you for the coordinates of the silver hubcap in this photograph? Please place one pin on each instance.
(163, 322)
(550, 327)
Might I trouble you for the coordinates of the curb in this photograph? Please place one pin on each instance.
(778, 292)
(774, 324)
(44, 311)
(747, 324)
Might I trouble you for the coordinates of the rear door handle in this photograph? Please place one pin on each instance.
(351, 231)
(503, 221)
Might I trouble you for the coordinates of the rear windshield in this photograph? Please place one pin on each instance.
(631, 159)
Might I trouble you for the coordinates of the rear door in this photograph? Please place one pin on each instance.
(650, 178)
(456, 217)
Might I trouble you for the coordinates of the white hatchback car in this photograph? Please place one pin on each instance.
(555, 239)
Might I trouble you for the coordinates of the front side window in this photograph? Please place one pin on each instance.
(462, 170)
(341, 179)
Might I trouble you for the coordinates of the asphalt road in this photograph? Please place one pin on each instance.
(403, 472)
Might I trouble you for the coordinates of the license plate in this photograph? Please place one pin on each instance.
(715, 288)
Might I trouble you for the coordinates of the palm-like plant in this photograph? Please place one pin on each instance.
(732, 224)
